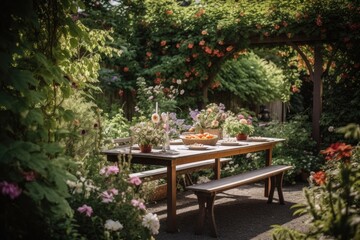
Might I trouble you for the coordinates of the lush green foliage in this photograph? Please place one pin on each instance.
(168, 41)
(254, 80)
(32, 88)
(298, 149)
(332, 201)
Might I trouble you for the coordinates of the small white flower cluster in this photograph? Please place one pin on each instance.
(170, 92)
(151, 221)
(113, 225)
(203, 179)
(81, 185)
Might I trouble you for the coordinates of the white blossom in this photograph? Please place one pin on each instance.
(151, 221)
(113, 225)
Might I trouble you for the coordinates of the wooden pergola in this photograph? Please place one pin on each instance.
(315, 70)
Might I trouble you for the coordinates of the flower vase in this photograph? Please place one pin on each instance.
(241, 137)
(145, 148)
(166, 143)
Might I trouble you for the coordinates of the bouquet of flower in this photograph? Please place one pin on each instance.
(238, 124)
(147, 133)
(212, 117)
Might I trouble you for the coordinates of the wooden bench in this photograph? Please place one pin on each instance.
(180, 169)
(206, 192)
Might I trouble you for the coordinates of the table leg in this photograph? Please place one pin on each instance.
(217, 168)
(171, 199)
(268, 161)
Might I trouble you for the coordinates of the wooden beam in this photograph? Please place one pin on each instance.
(317, 94)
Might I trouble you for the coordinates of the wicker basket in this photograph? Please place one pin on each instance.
(211, 141)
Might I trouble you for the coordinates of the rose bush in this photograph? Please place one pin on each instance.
(110, 205)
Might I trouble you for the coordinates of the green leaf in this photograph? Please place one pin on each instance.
(52, 148)
(68, 115)
(35, 190)
(35, 116)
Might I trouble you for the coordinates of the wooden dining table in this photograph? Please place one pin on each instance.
(181, 154)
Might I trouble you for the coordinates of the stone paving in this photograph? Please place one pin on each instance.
(240, 213)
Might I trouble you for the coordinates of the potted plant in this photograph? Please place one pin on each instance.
(210, 119)
(238, 126)
(146, 135)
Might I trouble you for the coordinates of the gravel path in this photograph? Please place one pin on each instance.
(240, 213)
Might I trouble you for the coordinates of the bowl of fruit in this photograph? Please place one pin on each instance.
(200, 138)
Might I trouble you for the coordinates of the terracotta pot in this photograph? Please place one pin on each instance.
(241, 136)
(145, 148)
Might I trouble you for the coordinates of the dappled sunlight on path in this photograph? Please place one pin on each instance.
(240, 213)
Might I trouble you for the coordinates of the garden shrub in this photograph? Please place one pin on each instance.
(108, 197)
(333, 198)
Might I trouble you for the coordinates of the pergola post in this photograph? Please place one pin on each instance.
(317, 94)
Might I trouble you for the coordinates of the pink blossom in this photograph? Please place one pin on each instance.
(85, 209)
(135, 180)
(10, 189)
(137, 203)
(107, 197)
(29, 176)
(114, 191)
(109, 170)
(240, 116)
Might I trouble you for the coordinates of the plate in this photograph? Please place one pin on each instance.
(135, 147)
(197, 147)
(176, 142)
(230, 144)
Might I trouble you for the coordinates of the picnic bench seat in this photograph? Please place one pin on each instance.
(206, 192)
(180, 169)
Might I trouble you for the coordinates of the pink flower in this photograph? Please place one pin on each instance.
(109, 170)
(137, 203)
(85, 209)
(10, 189)
(107, 197)
(29, 176)
(114, 191)
(135, 180)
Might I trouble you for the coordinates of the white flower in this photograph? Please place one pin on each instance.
(164, 117)
(331, 129)
(113, 225)
(71, 184)
(151, 97)
(178, 81)
(151, 221)
(182, 91)
(78, 187)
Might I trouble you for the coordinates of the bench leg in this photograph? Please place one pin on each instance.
(202, 198)
(210, 211)
(276, 182)
(279, 180)
(206, 207)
